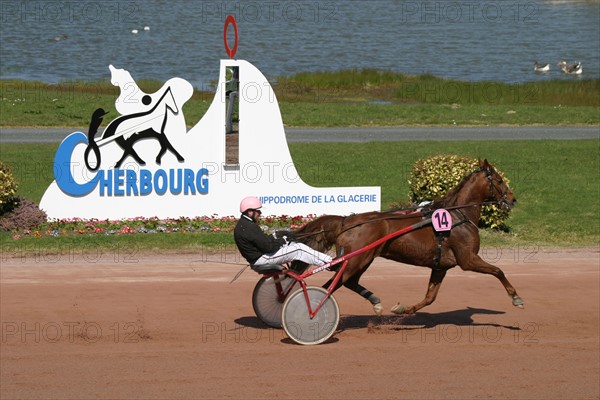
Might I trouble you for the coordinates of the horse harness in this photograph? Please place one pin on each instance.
(427, 212)
(440, 236)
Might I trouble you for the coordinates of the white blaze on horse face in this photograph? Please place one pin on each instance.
(171, 103)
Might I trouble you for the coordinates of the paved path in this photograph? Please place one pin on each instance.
(442, 133)
(346, 134)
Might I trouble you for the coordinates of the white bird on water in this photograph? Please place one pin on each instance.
(136, 31)
(541, 67)
(571, 69)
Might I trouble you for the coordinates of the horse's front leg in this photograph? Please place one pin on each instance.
(477, 264)
(128, 150)
(435, 281)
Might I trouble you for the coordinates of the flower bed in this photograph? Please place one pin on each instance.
(153, 225)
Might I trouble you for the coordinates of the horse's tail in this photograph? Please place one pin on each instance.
(95, 122)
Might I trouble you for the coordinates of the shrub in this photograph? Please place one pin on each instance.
(24, 214)
(8, 187)
(433, 177)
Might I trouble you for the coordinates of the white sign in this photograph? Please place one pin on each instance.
(147, 164)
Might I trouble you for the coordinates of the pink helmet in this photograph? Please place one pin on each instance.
(250, 203)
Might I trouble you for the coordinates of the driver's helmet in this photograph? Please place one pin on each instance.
(250, 203)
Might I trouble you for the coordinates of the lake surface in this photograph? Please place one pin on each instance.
(55, 41)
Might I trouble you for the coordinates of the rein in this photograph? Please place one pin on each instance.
(420, 213)
(305, 235)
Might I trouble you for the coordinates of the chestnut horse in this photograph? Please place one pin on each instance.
(422, 247)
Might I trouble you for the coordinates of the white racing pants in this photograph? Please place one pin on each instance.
(294, 251)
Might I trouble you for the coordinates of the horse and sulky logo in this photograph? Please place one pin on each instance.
(147, 163)
(143, 116)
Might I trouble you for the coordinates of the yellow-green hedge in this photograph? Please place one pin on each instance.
(8, 185)
(433, 177)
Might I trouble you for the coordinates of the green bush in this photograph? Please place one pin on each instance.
(433, 177)
(8, 187)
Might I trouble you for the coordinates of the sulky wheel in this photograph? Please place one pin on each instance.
(297, 322)
(268, 297)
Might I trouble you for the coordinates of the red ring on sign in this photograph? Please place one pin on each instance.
(230, 20)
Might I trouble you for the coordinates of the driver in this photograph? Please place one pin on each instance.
(259, 248)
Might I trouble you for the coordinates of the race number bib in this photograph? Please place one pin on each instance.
(441, 220)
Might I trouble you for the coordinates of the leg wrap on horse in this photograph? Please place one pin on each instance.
(353, 285)
(367, 294)
(364, 292)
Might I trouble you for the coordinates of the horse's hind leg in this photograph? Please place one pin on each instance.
(477, 264)
(132, 153)
(353, 285)
(435, 281)
(128, 150)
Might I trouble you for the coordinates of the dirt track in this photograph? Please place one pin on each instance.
(172, 326)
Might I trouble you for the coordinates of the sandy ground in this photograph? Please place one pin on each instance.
(127, 325)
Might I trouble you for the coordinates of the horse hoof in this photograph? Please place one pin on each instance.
(398, 309)
(518, 302)
(378, 308)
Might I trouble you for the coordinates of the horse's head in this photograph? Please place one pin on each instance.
(498, 189)
(170, 101)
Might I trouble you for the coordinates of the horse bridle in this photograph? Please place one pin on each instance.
(503, 195)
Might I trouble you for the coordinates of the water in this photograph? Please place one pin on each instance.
(55, 41)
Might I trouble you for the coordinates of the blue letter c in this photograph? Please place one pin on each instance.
(62, 167)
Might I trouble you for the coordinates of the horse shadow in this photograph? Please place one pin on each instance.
(251, 322)
(420, 320)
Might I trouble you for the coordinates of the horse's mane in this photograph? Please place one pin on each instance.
(445, 200)
(320, 233)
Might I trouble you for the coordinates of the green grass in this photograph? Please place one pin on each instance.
(71, 104)
(32, 166)
(335, 114)
(556, 184)
(341, 98)
(369, 84)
